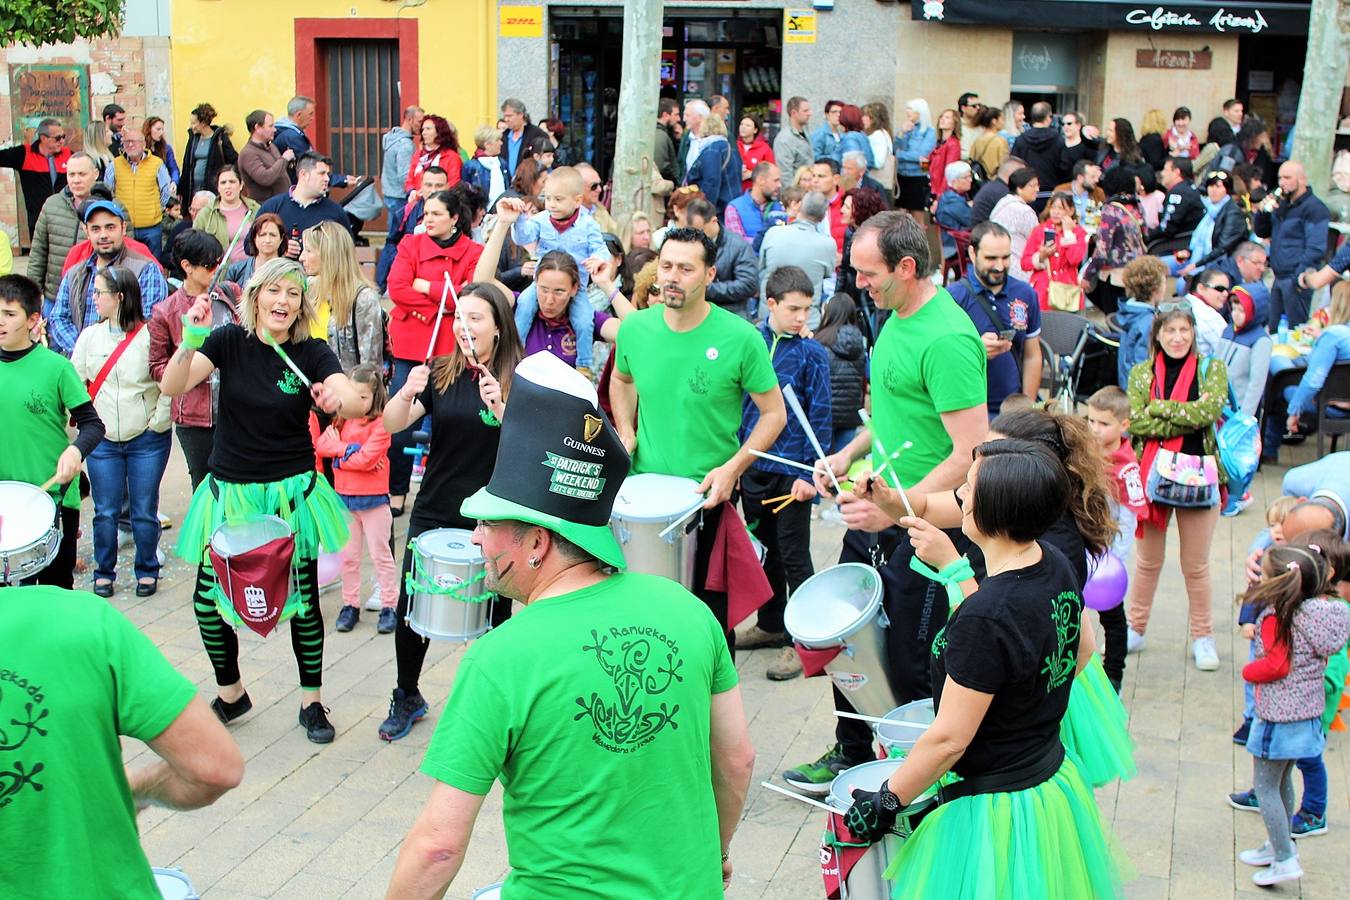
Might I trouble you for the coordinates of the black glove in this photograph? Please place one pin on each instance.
(872, 814)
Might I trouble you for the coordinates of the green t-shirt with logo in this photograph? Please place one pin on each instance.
(593, 710)
(37, 393)
(690, 386)
(67, 820)
(924, 365)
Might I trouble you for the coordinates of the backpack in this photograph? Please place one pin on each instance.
(978, 176)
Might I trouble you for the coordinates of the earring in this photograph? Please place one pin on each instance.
(533, 562)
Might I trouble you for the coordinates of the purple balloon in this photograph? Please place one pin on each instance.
(1106, 584)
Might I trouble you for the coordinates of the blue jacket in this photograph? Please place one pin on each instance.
(749, 219)
(825, 143)
(910, 147)
(953, 211)
(804, 364)
(1332, 347)
(290, 136)
(477, 173)
(1298, 234)
(856, 140)
(582, 241)
(1136, 320)
(713, 173)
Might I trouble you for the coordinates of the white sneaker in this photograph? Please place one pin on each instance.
(1206, 657)
(1134, 641)
(1261, 856)
(373, 601)
(1285, 870)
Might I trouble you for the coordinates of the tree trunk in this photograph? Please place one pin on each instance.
(639, 91)
(1319, 101)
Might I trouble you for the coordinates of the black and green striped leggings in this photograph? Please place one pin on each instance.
(222, 645)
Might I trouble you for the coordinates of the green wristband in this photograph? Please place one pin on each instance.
(950, 577)
(194, 335)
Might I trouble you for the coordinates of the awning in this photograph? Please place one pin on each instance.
(1200, 17)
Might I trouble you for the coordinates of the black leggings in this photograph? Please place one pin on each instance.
(410, 648)
(222, 644)
(60, 572)
(1113, 654)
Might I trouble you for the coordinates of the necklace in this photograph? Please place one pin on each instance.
(1011, 559)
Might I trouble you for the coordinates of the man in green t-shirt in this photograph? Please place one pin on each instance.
(39, 394)
(608, 707)
(928, 388)
(68, 690)
(681, 371)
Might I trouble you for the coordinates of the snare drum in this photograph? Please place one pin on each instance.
(841, 607)
(30, 532)
(898, 739)
(173, 884)
(866, 881)
(646, 506)
(446, 599)
(491, 892)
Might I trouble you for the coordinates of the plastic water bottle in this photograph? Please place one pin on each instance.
(1282, 332)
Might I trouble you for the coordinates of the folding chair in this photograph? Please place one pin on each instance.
(1337, 387)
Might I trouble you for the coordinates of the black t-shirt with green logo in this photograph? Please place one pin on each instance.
(262, 426)
(1016, 638)
(464, 436)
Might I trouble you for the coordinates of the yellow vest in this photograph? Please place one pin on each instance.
(138, 190)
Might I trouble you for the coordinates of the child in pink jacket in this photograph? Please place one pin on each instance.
(359, 449)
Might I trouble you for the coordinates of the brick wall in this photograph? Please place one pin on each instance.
(117, 74)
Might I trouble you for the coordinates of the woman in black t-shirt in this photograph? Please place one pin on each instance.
(1022, 821)
(262, 463)
(465, 394)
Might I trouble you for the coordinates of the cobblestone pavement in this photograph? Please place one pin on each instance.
(312, 822)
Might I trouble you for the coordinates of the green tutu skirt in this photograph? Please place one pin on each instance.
(1095, 728)
(305, 502)
(1042, 843)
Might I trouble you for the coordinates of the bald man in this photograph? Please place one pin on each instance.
(1325, 484)
(1297, 225)
(591, 187)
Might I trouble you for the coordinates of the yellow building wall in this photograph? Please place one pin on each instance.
(941, 62)
(239, 55)
(1130, 91)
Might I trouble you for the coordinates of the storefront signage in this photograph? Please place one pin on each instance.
(520, 21)
(1045, 61)
(48, 91)
(1195, 17)
(1172, 59)
(799, 26)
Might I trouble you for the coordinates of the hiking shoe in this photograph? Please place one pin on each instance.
(754, 638)
(1206, 656)
(404, 710)
(786, 667)
(1244, 800)
(1261, 856)
(373, 602)
(388, 621)
(317, 727)
(1305, 824)
(1284, 870)
(814, 777)
(1134, 641)
(1240, 736)
(347, 618)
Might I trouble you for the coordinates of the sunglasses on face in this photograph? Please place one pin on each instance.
(1217, 288)
(56, 137)
(594, 186)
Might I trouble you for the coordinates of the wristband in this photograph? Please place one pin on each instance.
(950, 576)
(612, 294)
(194, 335)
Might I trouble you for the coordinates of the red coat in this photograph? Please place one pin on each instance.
(1062, 266)
(84, 249)
(447, 159)
(366, 472)
(945, 153)
(759, 151)
(836, 215)
(412, 319)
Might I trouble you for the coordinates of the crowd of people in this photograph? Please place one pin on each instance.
(784, 310)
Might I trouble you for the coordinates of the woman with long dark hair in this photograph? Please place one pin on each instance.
(1119, 239)
(153, 129)
(465, 391)
(208, 148)
(263, 243)
(1120, 148)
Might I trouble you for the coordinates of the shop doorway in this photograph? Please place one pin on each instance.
(1270, 73)
(736, 55)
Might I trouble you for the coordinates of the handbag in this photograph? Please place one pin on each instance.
(1066, 297)
(1183, 480)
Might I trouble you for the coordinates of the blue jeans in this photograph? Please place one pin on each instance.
(122, 469)
(1314, 785)
(394, 207)
(400, 463)
(152, 237)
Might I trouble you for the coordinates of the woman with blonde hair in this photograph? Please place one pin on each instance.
(269, 371)
(1152, 142)
(347, 311)
(96, 145)
(712, 171)
(636, 233)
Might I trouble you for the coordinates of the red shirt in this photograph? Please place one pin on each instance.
(759, 151)
(1127, 478)
(412, 319)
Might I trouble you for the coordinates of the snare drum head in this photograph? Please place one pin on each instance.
(26, 514)
(650, 497)
(173, 884)
(832, 603)
(491, 892)
(454, 545)
(920, 712)
(233, 538)
(868, 777)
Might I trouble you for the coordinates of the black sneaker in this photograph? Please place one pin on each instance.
(317, 727)
(388, 620)
(347, 618)
(227, 712)
(404, 710)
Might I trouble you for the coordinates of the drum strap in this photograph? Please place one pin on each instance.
(97, 384)
(1038, 771)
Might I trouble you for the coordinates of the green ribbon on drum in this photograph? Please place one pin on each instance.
(950, 576)
(418, 581)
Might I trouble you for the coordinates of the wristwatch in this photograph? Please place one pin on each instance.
(887, 801)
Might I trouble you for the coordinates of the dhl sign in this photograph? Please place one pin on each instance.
(520, 21)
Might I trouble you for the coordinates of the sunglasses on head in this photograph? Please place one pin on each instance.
(1181, 306)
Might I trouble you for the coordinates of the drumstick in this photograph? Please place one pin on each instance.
(780, 507)
(224, 260)
(790, 396)
(440, 314)
(879, 450)
(463, 323)
(878, 721)
(285, 357)
(46, 485)
(775, 499)
(680, 521)
(787, 462)
(796, 796)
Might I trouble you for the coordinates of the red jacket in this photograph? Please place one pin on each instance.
(447, 159)
(366, 472)
(949, 151)
(412, 319)
(84, 249)
(166, 333)
(1127, 478)
(1062, 266)
(759, 151)
(836, 216)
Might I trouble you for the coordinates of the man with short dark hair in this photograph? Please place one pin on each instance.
(1080, 142)
(682, 369)
(825, 180)
(1087, 175)
(407, 220)
(825, 139)
(41, 166)
(1005, 312)
(1182, 210)
(792, 148)
(262, 166)
(968, 107)
(663, 153)
(736, 286)
(306, 204)
(114, 119)
(748, 214)
(993, 190)
(1041, 146)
